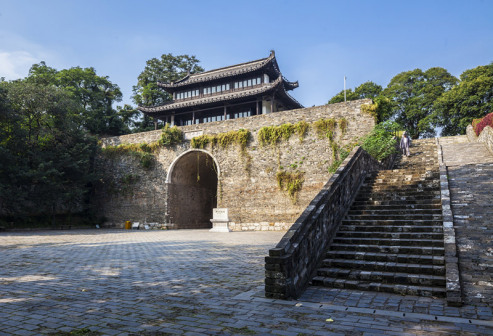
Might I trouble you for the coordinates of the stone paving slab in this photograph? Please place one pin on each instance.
(191, 282)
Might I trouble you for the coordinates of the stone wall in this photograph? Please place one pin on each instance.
(247, 181)
(290, 265)
(486, 136)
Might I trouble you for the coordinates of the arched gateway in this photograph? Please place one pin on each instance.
(192, 190)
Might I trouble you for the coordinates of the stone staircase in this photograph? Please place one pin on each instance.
(391, 240)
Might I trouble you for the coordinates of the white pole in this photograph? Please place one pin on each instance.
(344, 88)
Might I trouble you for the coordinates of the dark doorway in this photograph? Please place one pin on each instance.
(192, 191)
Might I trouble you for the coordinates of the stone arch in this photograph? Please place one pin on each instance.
(192, 182)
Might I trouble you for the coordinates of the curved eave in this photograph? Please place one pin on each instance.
(220, 73)
(277, 84)
(290, 85)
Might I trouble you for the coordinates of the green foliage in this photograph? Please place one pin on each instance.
(325, 128)
(339, 155)
(292, 182)
(142, 152)
(272, 135)
(171, 136)
(381, 142)
(46, 160)
(471, 98)
(301, 128)
(167, 68)
(413, 94)
(343, 123)
(93, 95)
(365, 90)
(224, 140)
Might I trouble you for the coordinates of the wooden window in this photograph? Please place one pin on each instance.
(227, 87)
(249, 83)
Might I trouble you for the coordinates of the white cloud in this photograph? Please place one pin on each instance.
(15, 64)
(18, 54)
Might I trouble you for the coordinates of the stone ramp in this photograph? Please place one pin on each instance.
(456, 152)
(392, 237)
(470, 172)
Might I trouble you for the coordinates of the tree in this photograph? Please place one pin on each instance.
(412, 95)
(95, 96)
(168, 68)
(366, 90)
(471, 98)
(45, 159)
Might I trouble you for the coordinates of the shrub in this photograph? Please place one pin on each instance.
(486, 121)
(381, 142)
(171, 136)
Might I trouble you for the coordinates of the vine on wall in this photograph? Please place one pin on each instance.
(272, 135)
(292, 182)
(144, 152)
(240, 137)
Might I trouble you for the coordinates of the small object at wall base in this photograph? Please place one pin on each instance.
(220, 225)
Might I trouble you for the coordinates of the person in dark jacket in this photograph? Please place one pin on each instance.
(405, 143)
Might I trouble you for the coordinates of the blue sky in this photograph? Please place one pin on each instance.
(316, 42)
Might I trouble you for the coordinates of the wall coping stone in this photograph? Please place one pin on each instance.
(453, 287)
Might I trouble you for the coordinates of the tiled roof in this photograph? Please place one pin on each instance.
(232, 70)
(278, 83)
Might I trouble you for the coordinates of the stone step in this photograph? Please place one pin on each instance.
(424, 250)
(403, 173)
(453, 139)
(387, 257)
(392, 222)
(397, 197)
(388, 241)
(396, 207)
(407, 216)
(390, 235)
(398, 211)
(391, 228)
(420, 202)
(428, 291)
(399, 192)
(401, 278)
(411, 186)
(384, 266)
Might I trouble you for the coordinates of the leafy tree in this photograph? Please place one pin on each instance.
(383, 109)
(339, 97)
(95, 96)
(366, 90)
(45, 159)
(413, 93)
(166, 69)
(471, 98)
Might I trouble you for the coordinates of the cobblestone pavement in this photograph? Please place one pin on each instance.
(190, 282)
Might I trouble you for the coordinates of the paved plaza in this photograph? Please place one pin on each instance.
(192, 282)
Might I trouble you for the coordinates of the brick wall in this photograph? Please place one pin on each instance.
(251, 195)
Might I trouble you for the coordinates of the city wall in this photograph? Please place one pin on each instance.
(246, 181)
